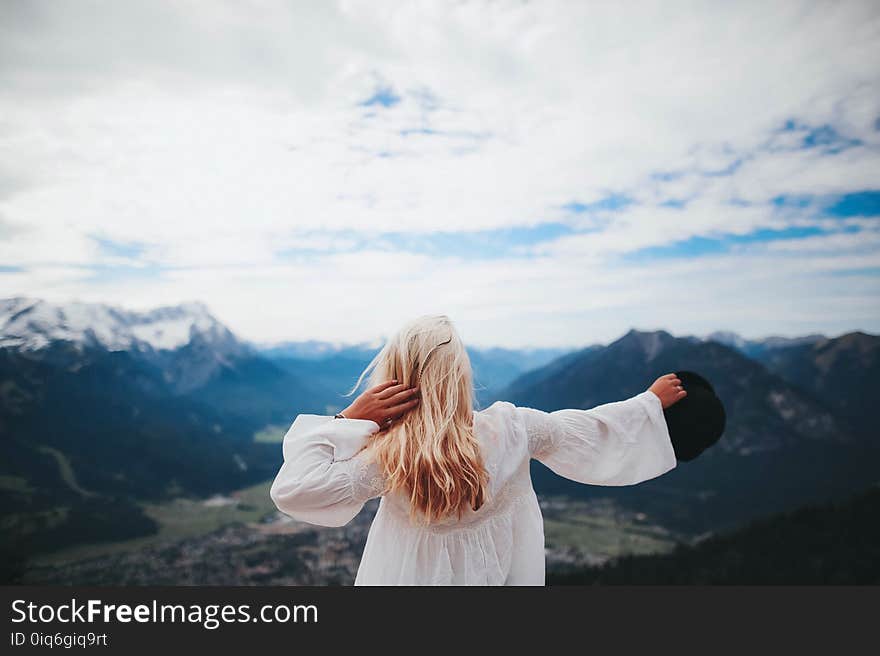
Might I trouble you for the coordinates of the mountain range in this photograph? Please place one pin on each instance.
(103, 408)
(336, 367)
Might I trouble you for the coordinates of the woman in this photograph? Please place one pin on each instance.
(457, 505)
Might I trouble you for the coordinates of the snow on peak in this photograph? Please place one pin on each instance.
(727, 338)
(31, 324)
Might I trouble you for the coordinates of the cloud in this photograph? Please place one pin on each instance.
(298, 165)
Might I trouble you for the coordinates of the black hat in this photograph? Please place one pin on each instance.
(697, 421)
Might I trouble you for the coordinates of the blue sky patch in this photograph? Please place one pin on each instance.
(611, 203)
(730, 169)
(130, 249)
(793, 201)
(383, 97)
(698, 246)
(105, 273)
(861, 271)
(857, 203)
(861, 203)
(820, 136)
(425, 132)
(480, 244)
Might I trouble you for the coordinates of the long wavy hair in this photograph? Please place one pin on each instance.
(431, 453)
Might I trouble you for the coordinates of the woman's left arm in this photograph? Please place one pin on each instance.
(619, 443)
(325, 479)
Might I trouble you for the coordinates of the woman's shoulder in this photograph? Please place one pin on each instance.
(503, 441)
(528, 427)
(499, 420)
(498, 410)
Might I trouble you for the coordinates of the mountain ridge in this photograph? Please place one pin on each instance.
(786, 440)
(33, 323)
(782, 446)
(628, 365)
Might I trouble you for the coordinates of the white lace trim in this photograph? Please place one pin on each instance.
(364, 479)
(543, 432)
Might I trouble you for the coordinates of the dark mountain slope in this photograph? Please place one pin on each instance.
(260, 392)
(85, 432)
(122, 431)
(844, 372)
(832, 544)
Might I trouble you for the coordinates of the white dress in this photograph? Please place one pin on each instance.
(326, 479)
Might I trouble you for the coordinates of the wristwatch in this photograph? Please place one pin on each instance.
(339, 415)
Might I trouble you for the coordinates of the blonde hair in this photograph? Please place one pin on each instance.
(431, 453)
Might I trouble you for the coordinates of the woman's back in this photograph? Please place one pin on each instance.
(477, 548)
(504, 451)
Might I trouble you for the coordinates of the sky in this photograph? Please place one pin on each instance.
(544, 173)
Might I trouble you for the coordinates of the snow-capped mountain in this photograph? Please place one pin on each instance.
(183, 346)
(32, 324)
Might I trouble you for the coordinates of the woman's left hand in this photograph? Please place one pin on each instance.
(668, 389)
(383, 403)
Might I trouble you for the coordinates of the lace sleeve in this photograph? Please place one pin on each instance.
(544, 431)
(620, 443)
(365, 478)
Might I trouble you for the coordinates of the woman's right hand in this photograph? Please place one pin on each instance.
(383, 403)
(669, 390)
